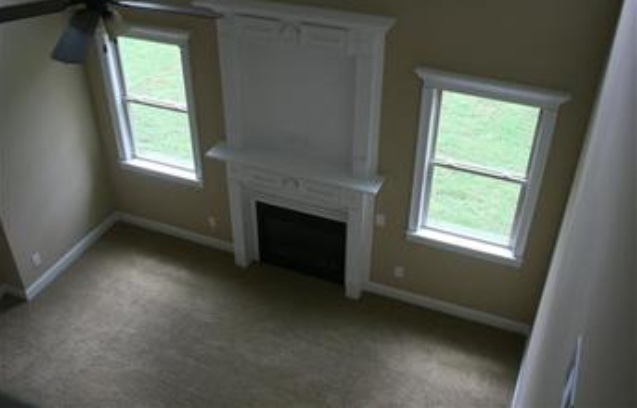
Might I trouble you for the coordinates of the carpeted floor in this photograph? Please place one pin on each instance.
(144, 320)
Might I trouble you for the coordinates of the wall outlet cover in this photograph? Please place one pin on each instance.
(212, 222)
(36, 259)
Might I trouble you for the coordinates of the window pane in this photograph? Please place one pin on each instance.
(161, 135)
(472, 205)
(152, 70)
(494, 134)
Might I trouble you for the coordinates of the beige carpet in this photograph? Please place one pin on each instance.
(144, 320)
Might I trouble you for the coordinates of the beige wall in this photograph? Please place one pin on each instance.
(590, 290)
(52, 186)
(557, 45)
(157, 198)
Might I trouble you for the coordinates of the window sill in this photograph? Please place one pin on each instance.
(465, 246)
(172, 174)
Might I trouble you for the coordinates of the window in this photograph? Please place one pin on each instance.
(148, 77)
(481, 152)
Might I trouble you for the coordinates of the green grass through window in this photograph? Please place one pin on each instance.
(490, 134)
(154, 71)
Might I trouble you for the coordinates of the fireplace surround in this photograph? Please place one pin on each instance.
(301, 92)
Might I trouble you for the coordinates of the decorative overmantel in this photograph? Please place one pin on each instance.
(301, 91)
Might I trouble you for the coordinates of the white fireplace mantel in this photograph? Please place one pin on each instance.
(280, 162)
(301, 91)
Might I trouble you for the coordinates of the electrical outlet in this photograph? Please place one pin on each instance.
(399, 272)
(381, 220)
(36, 259)
(212, 222)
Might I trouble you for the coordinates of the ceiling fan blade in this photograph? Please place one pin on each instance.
(151, 6)
(38, 8)
(73, 45)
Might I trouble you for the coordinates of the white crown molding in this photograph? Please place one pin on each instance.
(291, 12)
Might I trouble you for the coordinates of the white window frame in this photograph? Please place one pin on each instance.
(117, 101)
(435, 82)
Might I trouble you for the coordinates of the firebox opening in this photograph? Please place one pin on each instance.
(305, 243)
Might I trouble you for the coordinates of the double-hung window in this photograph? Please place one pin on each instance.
(481, 152)
(150, 92)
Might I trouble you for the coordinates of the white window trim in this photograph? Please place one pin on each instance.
(434, 83)
(112, 74)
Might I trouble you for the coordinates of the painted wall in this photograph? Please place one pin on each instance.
(590, 290)
(8, 271)
(52, 186)
(156, 198)
(557, 45)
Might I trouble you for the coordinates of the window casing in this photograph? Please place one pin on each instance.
(462, 169)
(136, 129)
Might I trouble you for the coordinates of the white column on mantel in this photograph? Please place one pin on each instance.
(367, 233)
(353, 284)
(368, 48)
(237, 215)
(359, 242)
(231, 84)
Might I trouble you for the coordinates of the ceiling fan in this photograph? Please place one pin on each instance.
(73, 45)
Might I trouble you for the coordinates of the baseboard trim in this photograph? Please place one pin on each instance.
(448, 308)
(85, 243)
(175, 232)
(69, 258)
(63, 263)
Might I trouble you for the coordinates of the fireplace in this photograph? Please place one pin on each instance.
(305, 243)
(301, 95)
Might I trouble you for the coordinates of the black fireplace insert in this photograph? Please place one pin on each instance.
(302, 242)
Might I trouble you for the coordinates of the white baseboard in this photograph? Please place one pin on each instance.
(379, 289)
(69, 258)
(383, 290)
(448, 308)
(176, 232)
(85, 243)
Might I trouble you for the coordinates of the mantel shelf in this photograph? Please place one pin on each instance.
(297, 166)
